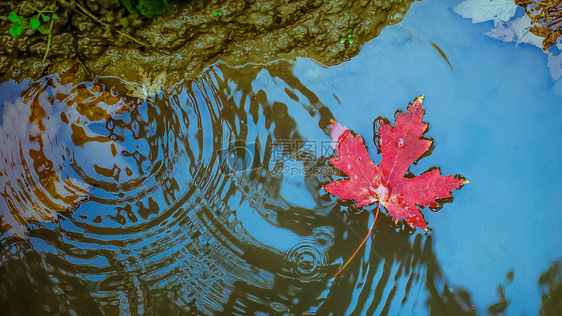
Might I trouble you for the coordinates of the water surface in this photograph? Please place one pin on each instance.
(208, 199)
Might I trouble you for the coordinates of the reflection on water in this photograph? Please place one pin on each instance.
(201, 201)
(550, 283)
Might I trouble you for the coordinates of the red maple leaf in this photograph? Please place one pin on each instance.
(401, 146)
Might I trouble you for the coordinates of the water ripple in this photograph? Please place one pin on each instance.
(181, 203)
(307, 260)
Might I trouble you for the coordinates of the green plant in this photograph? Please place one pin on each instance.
(348, 37)
(19, 24)
(148, 8)
(217, 15)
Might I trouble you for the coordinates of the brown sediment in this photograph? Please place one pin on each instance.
(546, 19)
(190, 37)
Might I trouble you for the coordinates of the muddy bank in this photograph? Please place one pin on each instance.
(105, 39)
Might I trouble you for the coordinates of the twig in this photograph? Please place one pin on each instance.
(91, 16)
(362, 243)
(49, 41)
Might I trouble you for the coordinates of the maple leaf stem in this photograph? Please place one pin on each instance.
(362, 243)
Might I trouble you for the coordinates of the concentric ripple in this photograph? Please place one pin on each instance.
(308, 260)
(200, 200)
(147, 199)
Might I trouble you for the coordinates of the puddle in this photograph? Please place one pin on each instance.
(207, 196)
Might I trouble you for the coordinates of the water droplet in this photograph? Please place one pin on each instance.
(307, 259)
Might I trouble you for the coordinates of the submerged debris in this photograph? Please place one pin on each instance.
(148, 87)
(546, 19)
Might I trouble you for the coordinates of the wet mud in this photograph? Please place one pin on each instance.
(106, 40)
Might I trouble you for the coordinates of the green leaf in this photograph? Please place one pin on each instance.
(35, 23)
(350, 41)
(342, 41)
(152, 8)
(43, 30)
(16, 30)
(130, 5)
(55, 16)
(46, 18)
(14, 17)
